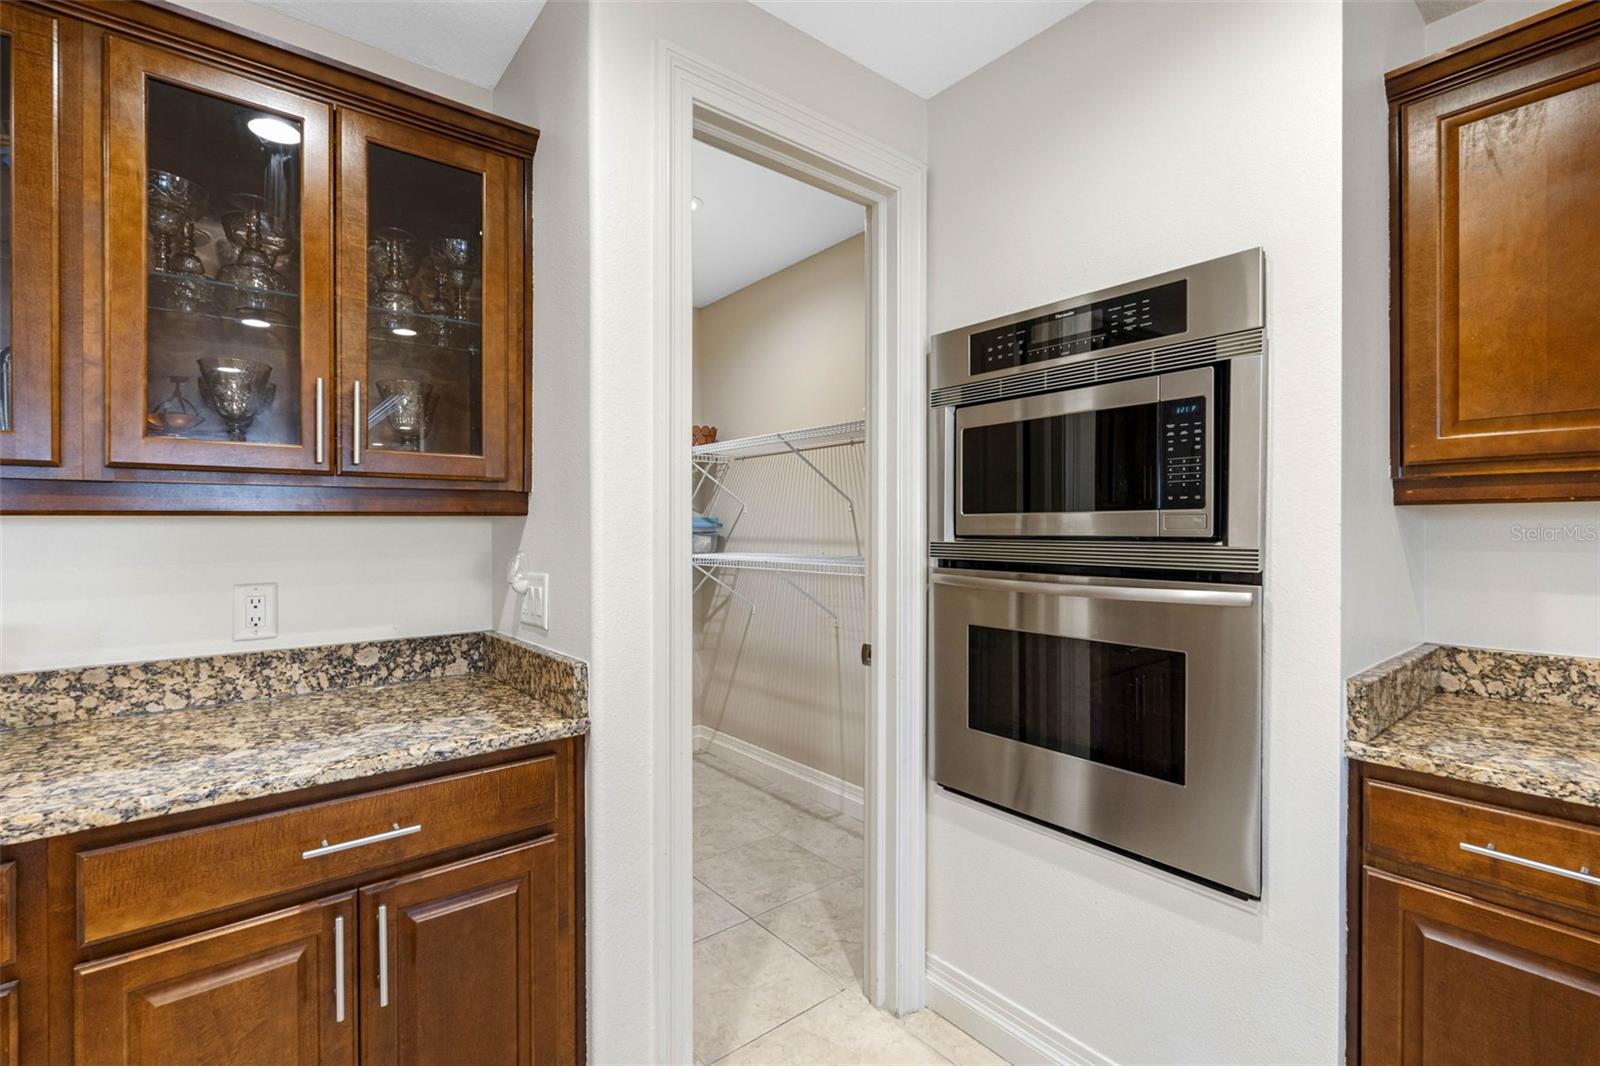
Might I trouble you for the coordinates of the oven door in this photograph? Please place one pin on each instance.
(1126, 711)
(1124, 459)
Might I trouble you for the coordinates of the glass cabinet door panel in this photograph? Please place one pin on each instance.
(424, 351)
(29, 355)
(228, 181)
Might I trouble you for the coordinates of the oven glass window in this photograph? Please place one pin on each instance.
(1114, 704)
(1092, 461)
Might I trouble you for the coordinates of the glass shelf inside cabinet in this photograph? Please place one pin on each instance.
(425, 305)
(223, 187)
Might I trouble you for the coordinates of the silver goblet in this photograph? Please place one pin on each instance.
(237, 390)
(408, 407)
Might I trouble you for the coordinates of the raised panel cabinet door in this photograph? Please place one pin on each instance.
(30, 363)
(278, 990)
(460, 963)
(9, 1024)
(1447, 980)
(430, 338)
(219, 298)
(1500, 278)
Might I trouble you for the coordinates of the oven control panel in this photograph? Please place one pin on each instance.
(1183, 453)
(1161, 311)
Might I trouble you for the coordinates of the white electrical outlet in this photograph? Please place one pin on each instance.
(536, 601)
(255, 611)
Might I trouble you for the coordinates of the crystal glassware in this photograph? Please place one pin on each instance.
(171, 201)
(260, 237)
(456, 257)
(409, 410)
(237, 390)
(175, 414)
(177, 293)
(394, 253)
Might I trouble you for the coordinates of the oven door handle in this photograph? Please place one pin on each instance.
(1131, 593)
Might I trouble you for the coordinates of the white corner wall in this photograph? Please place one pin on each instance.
(1129, 139)
(81, 590)
(547, 85)
(1524, 577)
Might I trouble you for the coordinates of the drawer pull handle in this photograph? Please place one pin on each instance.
(1488, 852)
(326, 848)
(383, 956)
(338, 968)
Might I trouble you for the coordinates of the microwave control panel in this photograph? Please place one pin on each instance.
(1161, 311)
(1183, 454)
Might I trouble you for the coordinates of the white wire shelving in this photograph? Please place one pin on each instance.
(710, 461)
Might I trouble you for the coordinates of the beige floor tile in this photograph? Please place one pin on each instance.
(746, 982)
(719, 828)
(826, 927)
(767, 873)
(844, 1030)
(712, 913)
(838, 842)
(954, 1044)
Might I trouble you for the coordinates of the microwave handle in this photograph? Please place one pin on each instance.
(1132, 593)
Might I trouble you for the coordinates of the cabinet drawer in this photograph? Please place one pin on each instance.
(162, 879)
(1546, 858)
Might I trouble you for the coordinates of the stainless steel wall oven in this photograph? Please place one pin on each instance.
(1097, 472)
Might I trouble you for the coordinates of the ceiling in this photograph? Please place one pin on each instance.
(922, 45)
(752, 222)
(1434, 10)
(470, 41)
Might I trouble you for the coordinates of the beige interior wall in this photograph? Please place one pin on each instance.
(788, 351)
(772, 668)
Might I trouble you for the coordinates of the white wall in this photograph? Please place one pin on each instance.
(1520, 576)
(627, 828)
(1218, 128)
(81, 590)
(547, 85)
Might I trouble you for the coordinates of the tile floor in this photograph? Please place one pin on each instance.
(778, 928)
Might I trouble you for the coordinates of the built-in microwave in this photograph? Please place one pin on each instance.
(1130, 421)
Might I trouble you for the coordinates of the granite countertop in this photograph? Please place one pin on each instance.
(1527, 723)
(67, 774)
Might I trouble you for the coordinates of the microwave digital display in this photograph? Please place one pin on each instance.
(1161, 311)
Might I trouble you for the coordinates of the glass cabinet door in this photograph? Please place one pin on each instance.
(30, 368)
(220, 269)
(428, 363)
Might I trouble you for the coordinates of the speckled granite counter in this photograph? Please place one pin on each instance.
(1528, 723)
(78, 768)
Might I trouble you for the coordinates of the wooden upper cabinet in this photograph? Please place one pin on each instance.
(30, 355)
(278, 990)
(463, 962)
(428, 316)
(1496, 226)
(219, 237)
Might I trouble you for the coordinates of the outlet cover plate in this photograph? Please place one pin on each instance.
(536, 601)
(255, 611)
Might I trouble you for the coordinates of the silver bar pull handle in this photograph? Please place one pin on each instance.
(338, 968)
(321, 429)
(1132, 593)
(1488, 851)
(383, 956)
(326, 848)
(355, 428)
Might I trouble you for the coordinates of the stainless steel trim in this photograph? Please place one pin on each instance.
(1489, 852)
(1145, 523)
(1144, 593)
(355, 427)
(1142, 555)
(338, 968)
(1209, 825)
(320, 430)
(383, 955)
(326, 848)
(1225, 296)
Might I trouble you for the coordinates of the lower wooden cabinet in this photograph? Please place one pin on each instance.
(274, 991)
(1463, 952)
(465, 969)
(431, 917)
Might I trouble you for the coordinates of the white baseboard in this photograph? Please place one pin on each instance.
(797, 777)
(1008, 1028)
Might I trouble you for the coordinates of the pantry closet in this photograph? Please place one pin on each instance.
(779, 487)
